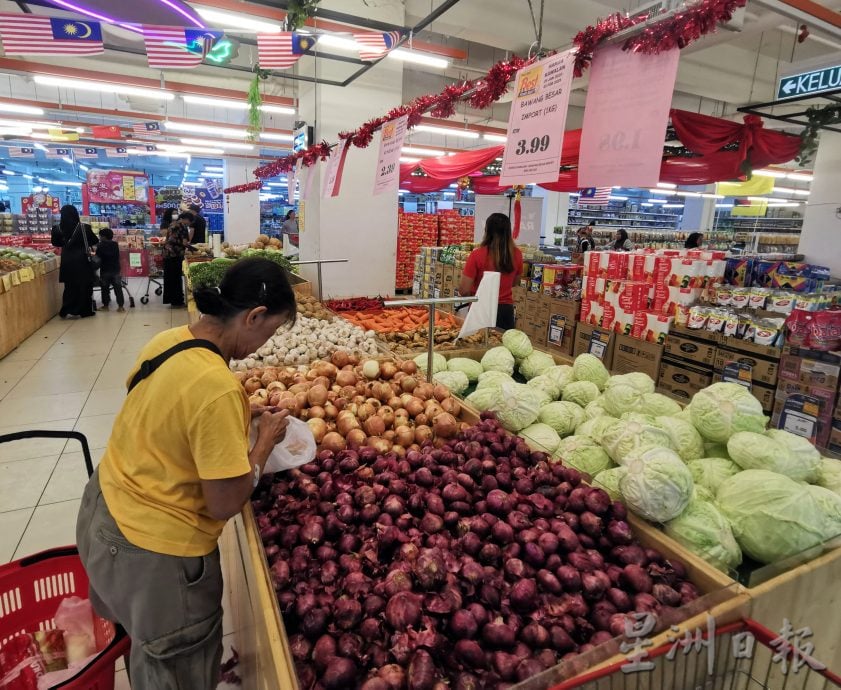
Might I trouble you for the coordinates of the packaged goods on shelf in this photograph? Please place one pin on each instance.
(415, 230)
(798, 276)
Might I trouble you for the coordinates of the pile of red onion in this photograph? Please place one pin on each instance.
(477, 564)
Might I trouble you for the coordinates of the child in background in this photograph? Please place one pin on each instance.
(109, 271)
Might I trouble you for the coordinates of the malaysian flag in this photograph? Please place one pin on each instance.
(57, 153)
(595, 196)
(143, 149)
(282, 50)
(151, 128)
(21, 152)
(373, 46)
(30, 34)
(175, 46)
(87, 152)
(117, 152)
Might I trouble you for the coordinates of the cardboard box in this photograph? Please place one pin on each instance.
(817, 369)
(761, 370)
(787, 388)
(764, 394)
(596, 341)
(805, 416)
(834, 443)
(699, 352)
(682, 380)
(560, 335)
(630, 354)
(695, 334)
(763, 351)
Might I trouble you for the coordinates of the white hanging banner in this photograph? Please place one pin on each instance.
(537, 121)
(307, 184)
(625, 118)
(388, 162)
(292, 183)
(334, 170)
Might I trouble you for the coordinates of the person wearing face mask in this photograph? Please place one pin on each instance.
(177, 466)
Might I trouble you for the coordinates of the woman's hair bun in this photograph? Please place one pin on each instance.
(209, 301)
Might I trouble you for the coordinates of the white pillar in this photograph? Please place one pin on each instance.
(555, 213)
(821, 225)
(242, 211)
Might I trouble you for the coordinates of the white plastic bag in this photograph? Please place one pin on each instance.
(296, 449)
(482, 314)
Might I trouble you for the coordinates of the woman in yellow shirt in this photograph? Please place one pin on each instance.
(176, 468)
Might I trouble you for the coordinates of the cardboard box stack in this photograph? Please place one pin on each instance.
(454, 228)
(415, 230)
(688, 360)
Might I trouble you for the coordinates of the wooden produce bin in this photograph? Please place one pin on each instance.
(299, 285)
(28, 299)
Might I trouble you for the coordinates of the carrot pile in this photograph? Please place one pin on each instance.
(398, 320)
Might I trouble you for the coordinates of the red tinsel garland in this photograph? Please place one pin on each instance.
(247, 187)
(677, 31)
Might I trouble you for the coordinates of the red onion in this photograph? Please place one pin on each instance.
(505, 665)
(375, 684)
(489, 554)
(340, 674)
(619, 598)
(499, 635)
(393, 675)
(632, 554)
(528, 668)
(350, 645)
(430, 569)
(421, 673)
(533, 555)
(347, 613)
(535, 635)
(560, 639)
(470, 653)
(314, 623)
(636, 579)
(502, 533)
(323, 651)
(471, 543)
(431, 523)
(524, 595)
(472, 571)
(480, 614)
(548, 582)
(499, 502)
(463, 625)
(403, 610)
(590, 523)
(548, 542)
(518, 520)
(666, 595)
(300, 647)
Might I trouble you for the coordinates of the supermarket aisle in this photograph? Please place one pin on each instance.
(67, 375)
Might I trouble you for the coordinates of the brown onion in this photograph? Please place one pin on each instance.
(388, 370)
(424, 391)
(355, 438)
(440, 392)
(252, 385)
(346, 378)
(404, 436)
(445, 425)
(339, 358)
(408, 383)
(346, 422)
(374, 426)
(334, 442)
(317, 395)
(318, 428)
(422, 433)
(409, 366)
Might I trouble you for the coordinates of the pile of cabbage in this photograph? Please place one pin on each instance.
(712, 474)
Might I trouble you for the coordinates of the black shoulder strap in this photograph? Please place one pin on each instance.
(149, 367)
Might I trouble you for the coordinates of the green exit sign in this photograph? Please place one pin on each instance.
(809, 83)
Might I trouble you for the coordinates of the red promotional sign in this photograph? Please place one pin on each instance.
(118, 187)
(41, 200)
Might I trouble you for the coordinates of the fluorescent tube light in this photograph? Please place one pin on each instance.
(497, 138)
(232, 20)
(690, 194)
(666, 185)
(274, 136)
(177, 148)
(20, 109)
(415, 151)
(672, 205)
(448, 131)
(662, 191)
(235, 105)
(103, 87)
(712, 196)
(800, 177)
(614, 197)
(769, 173)
(206, 129)
(658, 201)
(405, 55)
(408, 159)
(213, 143)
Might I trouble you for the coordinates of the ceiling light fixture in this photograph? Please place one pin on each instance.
(217, 144)
(177, 148)
(206, 129)
(28, 176)
(497, 138)
(724, 205)
(67, 159)
(103, 87)
(84, 167)
(662, 191)
(802, 192)
(415, 151)
(184, 183)
(20, 109)
(689, 194)
(275, 136)
(215, 176)
(448, 131)
(672, 205)
(60, 183)
(614, 197)
(230, 20)
(417, 58)
(712, 196)
(659, 201)
(801, 177)
(236, 105)
(409, 159)
(666, 185)
(769, 173)
(213, 168)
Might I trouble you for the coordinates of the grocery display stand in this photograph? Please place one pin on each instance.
(318, 263)
(29, 297)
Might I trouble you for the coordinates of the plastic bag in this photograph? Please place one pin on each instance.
(482, 314)
(75, 617)
(296, 449)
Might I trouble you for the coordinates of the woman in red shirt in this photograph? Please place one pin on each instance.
(496, 253)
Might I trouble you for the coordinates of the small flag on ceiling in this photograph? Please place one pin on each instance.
(177, 47)
(59, 134)
(117, 152)
(106, 132)
(152, 128)
(282, 50)
(143, 149)
(30, 34)
(373, 46)
(21, 152)
(595, 196)
(57, 153)
(87, 152)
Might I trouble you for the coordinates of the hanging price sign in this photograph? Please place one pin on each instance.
(625, 118)
(388, 162)
(536, 124)
(334, 170)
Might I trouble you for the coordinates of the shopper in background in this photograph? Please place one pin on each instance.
(290, 223)
(694, 240)
(622, 243)
(496, 253)
(76, 271)
(177, 467)
(585, 238)
(175, 246)
(199, 226)
(108, 252)
(166, 220)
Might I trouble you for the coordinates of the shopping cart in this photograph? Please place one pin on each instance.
(32, 588)
(742, 656)
(155, 256)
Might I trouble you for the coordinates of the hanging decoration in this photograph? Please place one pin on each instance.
(817, 117)
(518, 209)
(298, 12)
(255, 100)
(247, 187)
(463, 186)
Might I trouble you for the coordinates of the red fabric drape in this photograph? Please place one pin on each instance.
(464, 163)
(424, 185)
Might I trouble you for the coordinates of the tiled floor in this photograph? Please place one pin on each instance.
(68, 375)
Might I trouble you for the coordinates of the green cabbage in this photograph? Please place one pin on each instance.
(716, 450)
(547, 385)
(439, 362)
(702, 493)
(661, 405)
(702, 529)
(609, 481)
(625, 439)
(587, 367)
(773, 517)
(595, 427)
(483, 398)
(620, 398)
(580, 392)
(517, 343)
(712, 472)
(830, 503)
(639, 417)
(456, 381)
(561, 374)
(470, 367)
(542, 436)
(595, 408)
(584, 454)
(535, 364)
(806, 456)
(563, 417)
(829, 475)
(752, 451)
(492, 379)
(685, 437)
(636, 379)
(657, 486)
(498, 359)
(516, 406)
(722, 409)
